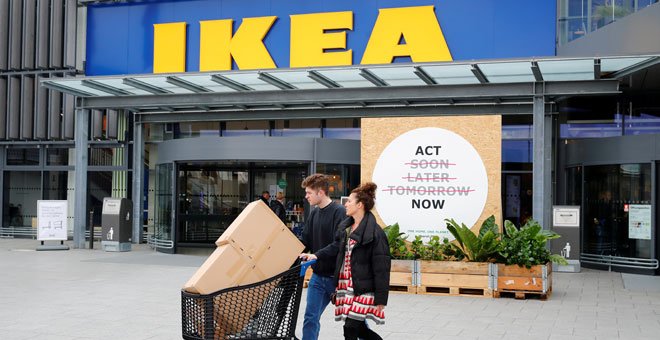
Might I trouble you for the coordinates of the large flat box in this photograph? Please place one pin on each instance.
(256, 246)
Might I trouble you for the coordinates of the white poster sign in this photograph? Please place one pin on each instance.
(111, 206)
(427, 175)
(51, 218)
(639, 221)
(566, 216)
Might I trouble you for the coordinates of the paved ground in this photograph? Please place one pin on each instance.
(83, 294)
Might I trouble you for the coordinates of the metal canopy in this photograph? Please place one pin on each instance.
(498, 85)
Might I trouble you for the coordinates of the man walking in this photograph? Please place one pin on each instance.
(318, 234)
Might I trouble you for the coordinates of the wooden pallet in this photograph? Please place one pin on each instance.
(455, 291)
(523, 295)
(455, 278)
(410, 289)
(401, 277)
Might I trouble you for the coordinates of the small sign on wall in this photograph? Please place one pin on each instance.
(639, 221)
(566, 216)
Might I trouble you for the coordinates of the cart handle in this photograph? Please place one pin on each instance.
(305, 265)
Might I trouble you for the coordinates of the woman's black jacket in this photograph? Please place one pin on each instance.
(370, 259)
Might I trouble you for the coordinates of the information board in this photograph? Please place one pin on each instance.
(565, 216)
(639, 221)
(52, 220)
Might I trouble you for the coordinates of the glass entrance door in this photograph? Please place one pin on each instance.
(617, 210)
(210, 197)
(285, 178)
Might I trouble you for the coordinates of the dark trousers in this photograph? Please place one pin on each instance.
(354, 330)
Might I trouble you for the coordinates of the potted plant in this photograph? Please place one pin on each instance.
(609, 12)
(403, 263)
(525, 258)
(470, 272)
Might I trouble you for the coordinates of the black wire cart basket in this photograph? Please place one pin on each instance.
(264, 310)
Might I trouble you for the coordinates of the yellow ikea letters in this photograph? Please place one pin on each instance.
(309, 39)
(419, 28)
(170, 47)
(316, 39)
(217, 47)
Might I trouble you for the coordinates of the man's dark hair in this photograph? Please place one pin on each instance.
(265, 192)
(316, 182)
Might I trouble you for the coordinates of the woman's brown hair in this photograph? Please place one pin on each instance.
(366, 194)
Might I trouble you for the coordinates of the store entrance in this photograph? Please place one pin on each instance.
(210, 195)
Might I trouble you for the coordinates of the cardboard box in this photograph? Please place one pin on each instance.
(256, 246)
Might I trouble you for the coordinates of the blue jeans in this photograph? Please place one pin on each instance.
(318, 297)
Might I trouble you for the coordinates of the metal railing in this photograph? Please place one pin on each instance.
(618, 261)
(12, 232)
(155, 242)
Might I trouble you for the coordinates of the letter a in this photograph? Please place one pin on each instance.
(419, 28)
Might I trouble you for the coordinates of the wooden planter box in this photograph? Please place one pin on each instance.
(523, 282)
(455, 278)
(402, 275)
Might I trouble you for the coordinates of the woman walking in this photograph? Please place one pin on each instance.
(362, 275)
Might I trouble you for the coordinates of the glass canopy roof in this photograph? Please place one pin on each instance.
(361, 76)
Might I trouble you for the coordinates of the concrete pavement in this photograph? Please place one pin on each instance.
(91, 294)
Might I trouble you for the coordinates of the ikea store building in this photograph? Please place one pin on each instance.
(457, 109)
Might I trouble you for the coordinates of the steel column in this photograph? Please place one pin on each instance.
(80, 196)
(542, 166)
(138, 168)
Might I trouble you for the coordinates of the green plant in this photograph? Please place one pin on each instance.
(527, 246)
(418, 248)
(397, 242)
(437, 250)
(475, 248)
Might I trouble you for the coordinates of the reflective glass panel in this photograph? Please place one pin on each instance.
(22, 190)
(18, 156)
(617, 208)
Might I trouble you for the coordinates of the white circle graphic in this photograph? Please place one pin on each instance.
(427, 175)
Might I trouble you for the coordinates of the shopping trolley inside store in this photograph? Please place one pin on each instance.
(264, 310)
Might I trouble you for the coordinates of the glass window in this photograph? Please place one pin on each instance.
(517, 131)
(209, 200)
(57, 156)
(297, 128)
(342, 129)
(56, 185)
(517, 155)
(343, 178)
(20, 156)
(22, 190)
(590, 118)
(101, 184)
(246, 128)
(642, 121)
(614, 195)
(574, 186)
(579, 17)
(198, 129)
(106, 156)
(163, 206)
(517, 194)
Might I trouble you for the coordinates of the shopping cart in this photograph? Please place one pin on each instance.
(264, 310)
